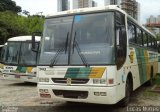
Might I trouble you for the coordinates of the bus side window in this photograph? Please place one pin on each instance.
(139, 37)
(131, 33)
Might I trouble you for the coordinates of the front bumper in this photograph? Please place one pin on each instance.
(20, 78)
(86, 94)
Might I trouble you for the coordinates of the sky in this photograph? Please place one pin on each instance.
(148, 7)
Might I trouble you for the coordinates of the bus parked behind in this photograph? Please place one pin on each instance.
(19, 60)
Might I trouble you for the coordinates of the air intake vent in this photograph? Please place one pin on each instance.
(73, 81)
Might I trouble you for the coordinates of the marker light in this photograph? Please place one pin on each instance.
(110, 81)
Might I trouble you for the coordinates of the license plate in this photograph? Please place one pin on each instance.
(17, 76)
(29, 77)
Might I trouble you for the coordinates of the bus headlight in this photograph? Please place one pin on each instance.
(43, 79)
(99, 81)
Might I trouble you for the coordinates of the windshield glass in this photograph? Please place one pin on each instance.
(56, 35)
(20, 53)
(27, 56)
(12, 53)
(93, 33)
(95, 38)
(2, 53)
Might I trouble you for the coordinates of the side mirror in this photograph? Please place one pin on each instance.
(34, 41)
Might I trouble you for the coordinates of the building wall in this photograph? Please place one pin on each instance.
(81, 4)
(84, 3)
(94, 4)
(112, 2)
(153, 20)
(132, 7)
(62, 5)
(155, 23)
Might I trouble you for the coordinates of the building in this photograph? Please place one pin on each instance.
(132, 7)
(153, 24)
(82, 3)
(94, 4)
(63, 5)
(112, 2)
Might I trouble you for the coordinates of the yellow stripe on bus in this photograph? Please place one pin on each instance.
(97, 72)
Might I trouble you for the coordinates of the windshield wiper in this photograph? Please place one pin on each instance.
(60, 50)
(83, 58)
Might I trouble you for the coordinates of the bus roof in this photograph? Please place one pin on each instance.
(23, 38)
(95, 9)
(86, 10)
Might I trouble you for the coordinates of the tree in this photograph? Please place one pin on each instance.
(25, 12)
(9, 5)
(158, 36)
(12, 25)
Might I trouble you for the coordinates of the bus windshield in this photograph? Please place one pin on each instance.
(93, 33)
(27, 56)
(20, 53)
(2, 53)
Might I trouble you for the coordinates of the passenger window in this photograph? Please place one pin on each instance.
(131, 33)
(145, 39)
(139, 37)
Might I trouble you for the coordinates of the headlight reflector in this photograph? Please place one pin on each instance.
(99, 81)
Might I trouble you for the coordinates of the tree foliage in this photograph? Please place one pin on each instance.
(12, 24)
(9, 5)
(158, 37)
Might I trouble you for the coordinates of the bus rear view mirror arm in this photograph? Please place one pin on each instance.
(34, 41)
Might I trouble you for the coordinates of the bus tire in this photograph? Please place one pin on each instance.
(128, 90)
(150, 82)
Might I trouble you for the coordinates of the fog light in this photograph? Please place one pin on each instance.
(43, 90)
(103, 94)
(5, 75)
(96, 93)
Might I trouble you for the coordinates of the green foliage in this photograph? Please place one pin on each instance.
(157, 80)
(158, 37)
(12, 24)
(9, 5)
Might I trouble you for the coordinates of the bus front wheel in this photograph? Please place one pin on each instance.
(150, 82)
(128, 89)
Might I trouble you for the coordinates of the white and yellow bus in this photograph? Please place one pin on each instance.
(1, 57)
(19, 60)
(95, 55)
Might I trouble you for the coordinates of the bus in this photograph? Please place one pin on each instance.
(94, 55)
(19, 59)
(158, 43)
(1, 62)
(159, 64)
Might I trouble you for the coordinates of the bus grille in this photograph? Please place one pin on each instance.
(73, 81)
(71, 94)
